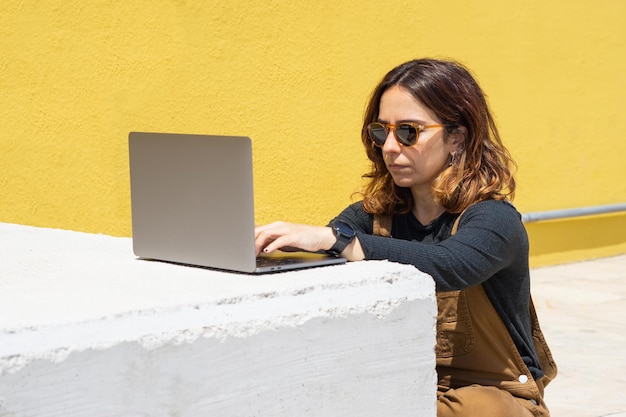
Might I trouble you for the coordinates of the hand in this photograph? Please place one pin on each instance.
(290, 236)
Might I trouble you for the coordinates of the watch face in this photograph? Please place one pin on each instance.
(344, 230)
(344, 234)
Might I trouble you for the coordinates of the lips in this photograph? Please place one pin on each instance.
(396, 167)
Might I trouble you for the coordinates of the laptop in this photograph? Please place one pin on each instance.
(192, 202)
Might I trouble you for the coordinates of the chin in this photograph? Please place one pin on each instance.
(404, 183)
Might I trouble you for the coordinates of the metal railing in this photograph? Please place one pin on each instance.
(575, 212)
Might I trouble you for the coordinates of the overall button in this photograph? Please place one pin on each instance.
(523, 379)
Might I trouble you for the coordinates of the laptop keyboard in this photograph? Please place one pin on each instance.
(262, 261)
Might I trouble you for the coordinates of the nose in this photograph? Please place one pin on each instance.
(391, 144)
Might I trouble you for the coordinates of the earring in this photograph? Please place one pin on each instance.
(452, 158)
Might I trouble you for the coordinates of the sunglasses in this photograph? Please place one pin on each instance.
(406, 133)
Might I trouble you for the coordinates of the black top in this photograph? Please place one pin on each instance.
(489, 248)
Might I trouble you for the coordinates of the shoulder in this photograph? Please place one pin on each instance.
(355, 210)
(493, 214)
(494, 207)
(494, 223)
(357, 217)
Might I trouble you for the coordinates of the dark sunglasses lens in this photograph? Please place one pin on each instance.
(378, 134)
(406, 134)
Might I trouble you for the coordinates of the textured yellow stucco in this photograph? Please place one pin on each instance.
(76, 77)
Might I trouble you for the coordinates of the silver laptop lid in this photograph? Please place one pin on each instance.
(192, 199)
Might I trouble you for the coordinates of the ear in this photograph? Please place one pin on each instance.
(457, 138)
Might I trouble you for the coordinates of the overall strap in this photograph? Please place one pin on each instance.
(382, 225)
(455, 226)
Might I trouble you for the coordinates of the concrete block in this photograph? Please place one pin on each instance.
(86, 329)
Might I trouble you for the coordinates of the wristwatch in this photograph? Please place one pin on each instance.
(344, 234)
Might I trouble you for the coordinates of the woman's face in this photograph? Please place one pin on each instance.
(414, 166)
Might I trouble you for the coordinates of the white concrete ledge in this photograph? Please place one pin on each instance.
(86, 329)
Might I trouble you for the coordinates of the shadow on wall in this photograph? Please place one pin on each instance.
(560, 241)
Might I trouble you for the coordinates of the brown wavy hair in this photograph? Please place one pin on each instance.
(481, 170)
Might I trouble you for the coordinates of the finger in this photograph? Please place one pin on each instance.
(281, 242)
(266, 236)
(261, 241)
(271, 228)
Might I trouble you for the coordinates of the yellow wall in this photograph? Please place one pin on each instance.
(76, 76)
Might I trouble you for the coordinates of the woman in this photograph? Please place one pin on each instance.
(438, 198)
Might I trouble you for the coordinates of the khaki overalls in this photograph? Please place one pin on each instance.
(480, 371)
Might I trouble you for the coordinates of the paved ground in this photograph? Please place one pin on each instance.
(582, 311)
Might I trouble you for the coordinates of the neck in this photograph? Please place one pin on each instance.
(425, 209)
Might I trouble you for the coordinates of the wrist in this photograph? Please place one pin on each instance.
(344, 235)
